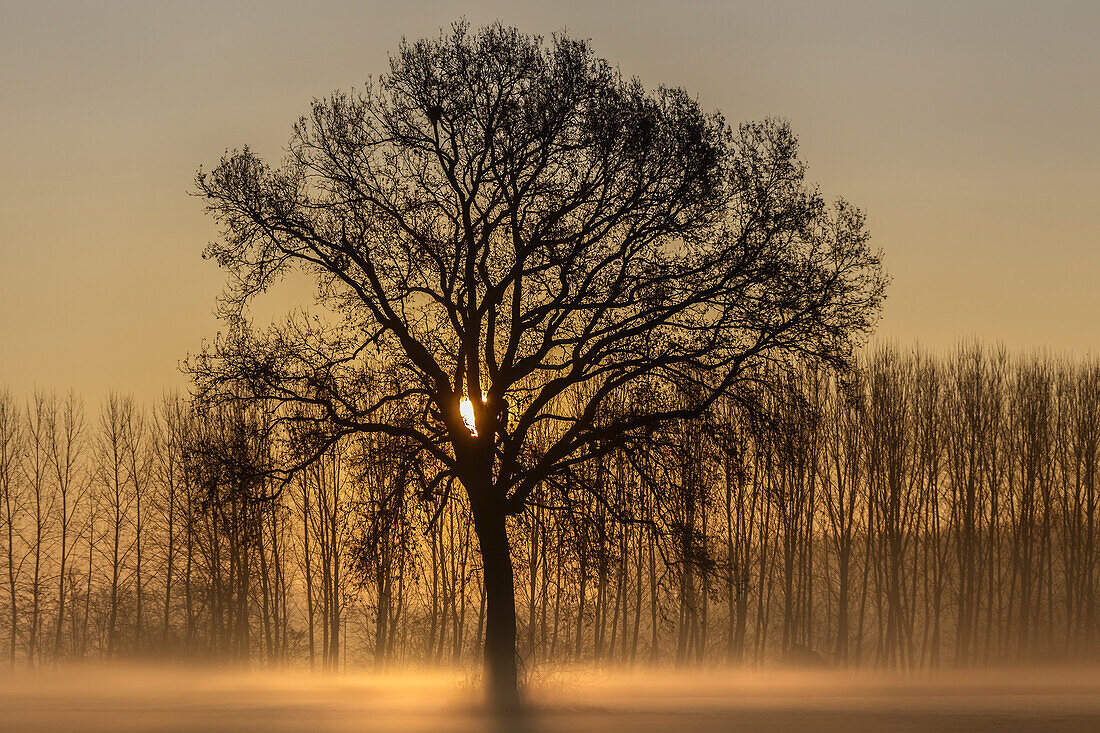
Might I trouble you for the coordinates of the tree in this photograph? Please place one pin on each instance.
(66, 444)
(502, 225)
(115, 418)
(12, 442)
(39, 422)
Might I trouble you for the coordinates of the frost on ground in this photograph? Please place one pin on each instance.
(154, 699)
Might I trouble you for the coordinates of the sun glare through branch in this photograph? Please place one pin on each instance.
(467, 409)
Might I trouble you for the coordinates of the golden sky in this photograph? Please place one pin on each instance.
(969, 131)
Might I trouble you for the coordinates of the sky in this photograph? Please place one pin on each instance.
(968, 131)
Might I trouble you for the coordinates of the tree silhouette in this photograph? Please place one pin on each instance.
(503, 225)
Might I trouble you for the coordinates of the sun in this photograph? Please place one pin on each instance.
(466, 407)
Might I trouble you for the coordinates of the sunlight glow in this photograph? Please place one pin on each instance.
(467, 409)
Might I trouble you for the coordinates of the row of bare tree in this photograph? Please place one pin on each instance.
(918, 511)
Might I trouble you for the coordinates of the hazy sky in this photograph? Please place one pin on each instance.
(969, 131)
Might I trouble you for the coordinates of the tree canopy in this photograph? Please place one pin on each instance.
(505, 219)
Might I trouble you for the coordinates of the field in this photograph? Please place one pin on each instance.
(156, 699)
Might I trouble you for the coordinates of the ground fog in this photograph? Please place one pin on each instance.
(83, 700)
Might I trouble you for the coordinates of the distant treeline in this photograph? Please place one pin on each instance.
(919, 511)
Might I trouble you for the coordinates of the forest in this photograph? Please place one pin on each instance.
(918, 510)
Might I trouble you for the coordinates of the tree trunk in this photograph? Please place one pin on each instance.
(500, 606)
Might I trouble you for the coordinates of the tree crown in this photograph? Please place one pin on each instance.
(506, 219)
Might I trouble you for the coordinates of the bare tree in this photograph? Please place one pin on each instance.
(845, 437)
(113, 478)
(138, 469)
(11, 450)
(39, 421)
(499, 222)
(66, 456)
(170, 435)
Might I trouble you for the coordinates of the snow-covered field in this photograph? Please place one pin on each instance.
(156, 699)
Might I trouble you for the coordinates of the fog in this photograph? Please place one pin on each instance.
(117, 698)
